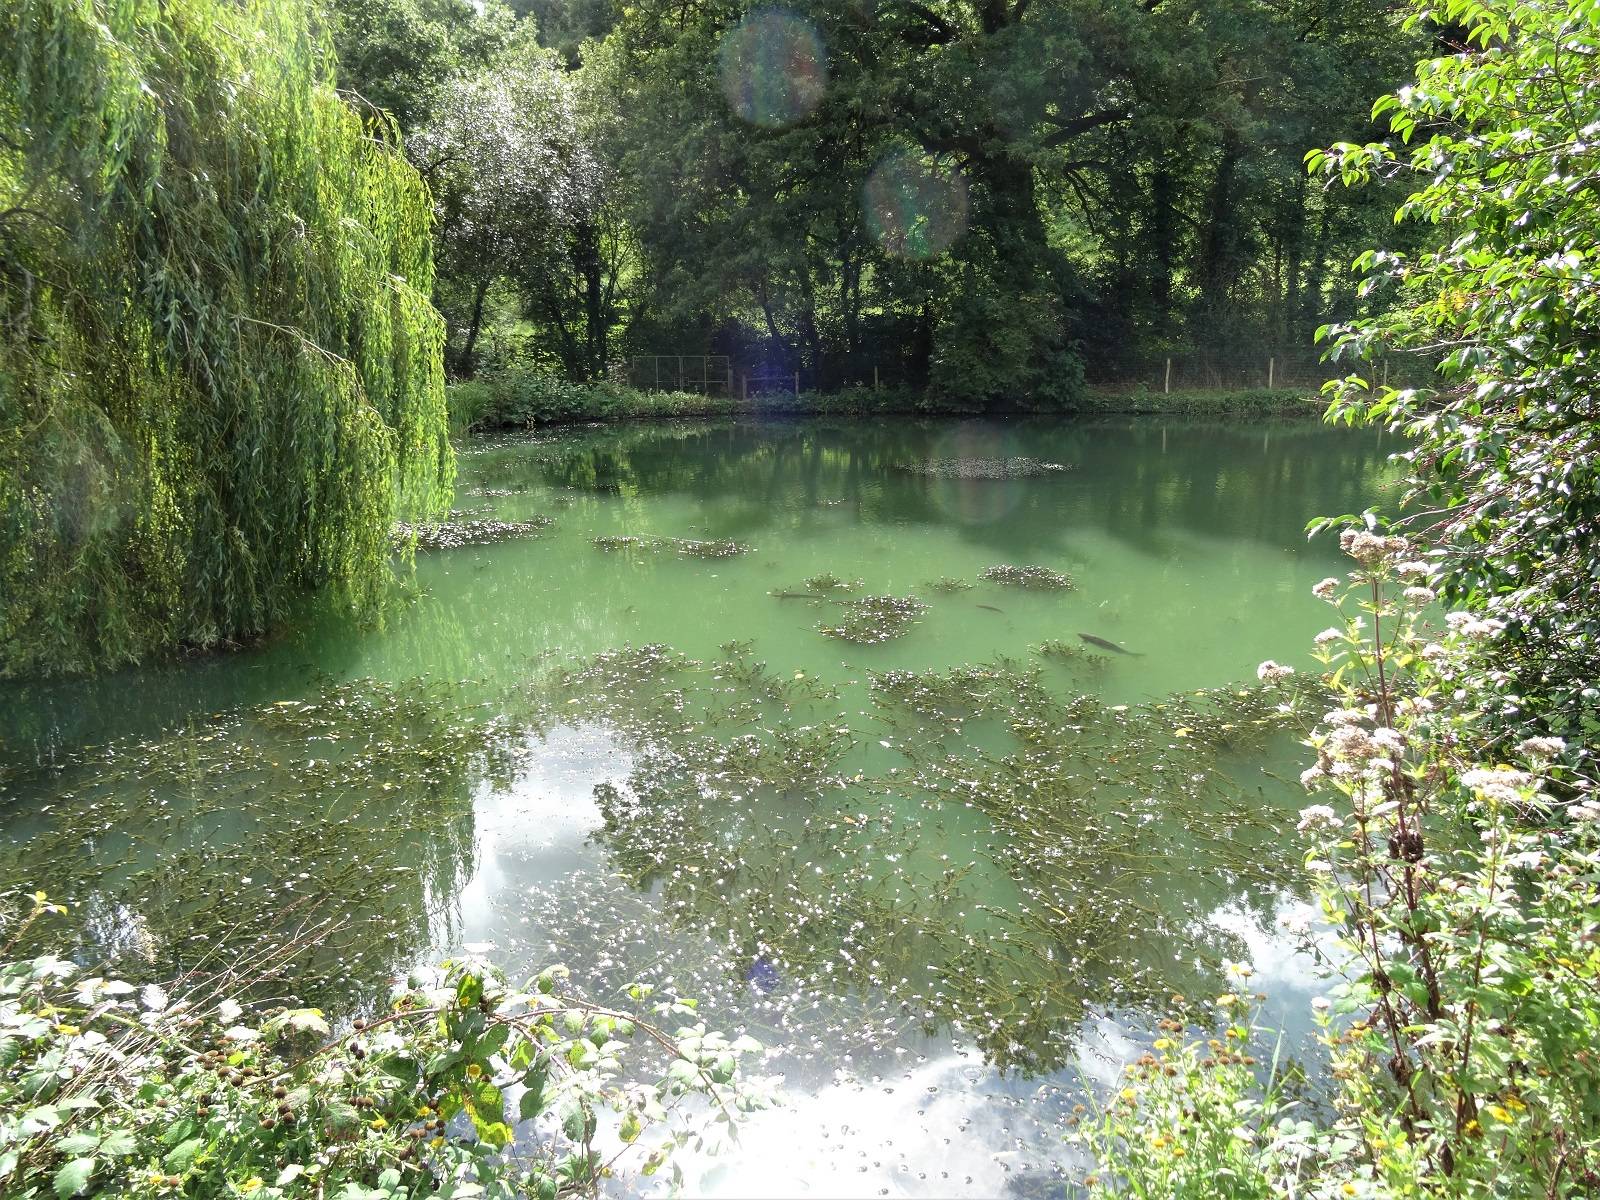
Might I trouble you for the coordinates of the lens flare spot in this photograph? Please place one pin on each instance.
(915, 207)
(975, 501)
(774, 68)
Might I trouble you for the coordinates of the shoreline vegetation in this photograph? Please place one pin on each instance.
(524, 400)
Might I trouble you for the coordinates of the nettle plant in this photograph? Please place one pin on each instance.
(466, 1086)
(1463, 897)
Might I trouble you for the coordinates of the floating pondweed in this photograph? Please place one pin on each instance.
(828, 582)
(874, 619)
(1073, 654)
(1042, 579)
(982, 468)
(470, 532)
(688, 547)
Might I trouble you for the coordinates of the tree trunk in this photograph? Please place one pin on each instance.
(470, 349)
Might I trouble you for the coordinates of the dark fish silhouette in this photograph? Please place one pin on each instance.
(798, 595)
(1105, 645)
(991, 608)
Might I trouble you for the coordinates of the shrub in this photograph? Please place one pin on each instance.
(113, 1089)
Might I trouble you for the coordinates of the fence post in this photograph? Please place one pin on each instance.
(1271, 365)
(1167, 386)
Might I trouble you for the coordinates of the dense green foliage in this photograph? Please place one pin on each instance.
(988, 201)
(1507, 439)
(1458, 861)
(112, 1089)
(220, 372)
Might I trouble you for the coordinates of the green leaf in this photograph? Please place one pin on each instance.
(73, 1178)
(76, 1144)
(119, 1142)
(181, 1157)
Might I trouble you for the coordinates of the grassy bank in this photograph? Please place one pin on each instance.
(1206, 403)
(519, 400)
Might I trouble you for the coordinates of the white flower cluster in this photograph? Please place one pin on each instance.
(1318, 818)
(1349, 750)
(1415, 569)
(1332, 634)
(1272, 672)
(1500, 784)
(1473, 626)
(1371, 549)
(1344, 716)
(1542, 749)
(1419, 595)
(1325, 589)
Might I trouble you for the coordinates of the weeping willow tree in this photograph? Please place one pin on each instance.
(220, 373)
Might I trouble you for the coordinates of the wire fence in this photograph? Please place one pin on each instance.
(1187, 370)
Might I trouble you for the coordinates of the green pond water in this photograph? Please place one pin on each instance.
(950, 867)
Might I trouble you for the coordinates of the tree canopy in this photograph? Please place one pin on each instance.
(220, 373)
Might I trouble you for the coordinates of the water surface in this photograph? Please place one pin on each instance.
(950, 880)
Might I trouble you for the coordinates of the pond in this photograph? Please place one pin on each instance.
(800, 719)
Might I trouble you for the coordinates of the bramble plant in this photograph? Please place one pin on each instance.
(113, 1089)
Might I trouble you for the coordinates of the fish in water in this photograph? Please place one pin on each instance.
(798, 595)
(1105, 645)
(991, 608)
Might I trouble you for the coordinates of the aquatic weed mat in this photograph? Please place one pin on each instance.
(468, 530)
(979, 850)
(683, 547)
(345, 820)
(1029, 860)
(872, 620)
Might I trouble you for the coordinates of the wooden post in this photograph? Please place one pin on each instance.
(797, 385)
(1271, 365)
(1167, 386)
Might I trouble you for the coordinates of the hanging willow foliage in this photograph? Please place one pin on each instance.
(220, 373)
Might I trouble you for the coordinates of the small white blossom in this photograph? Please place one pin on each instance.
(1370, 548)
(1542, 748)
(1311, 776)
(1331, 634)
(1419, 595)
(1415, 568)
(1503, 786)
(1391, 740)
(1482, 777)
(1344, 716)
(1321, 1003)
(1434, 652)
(1584, 810)
(1473, 626)
(1325, 589)
(1272, 672)
(1318, 818)
(1414, 704)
